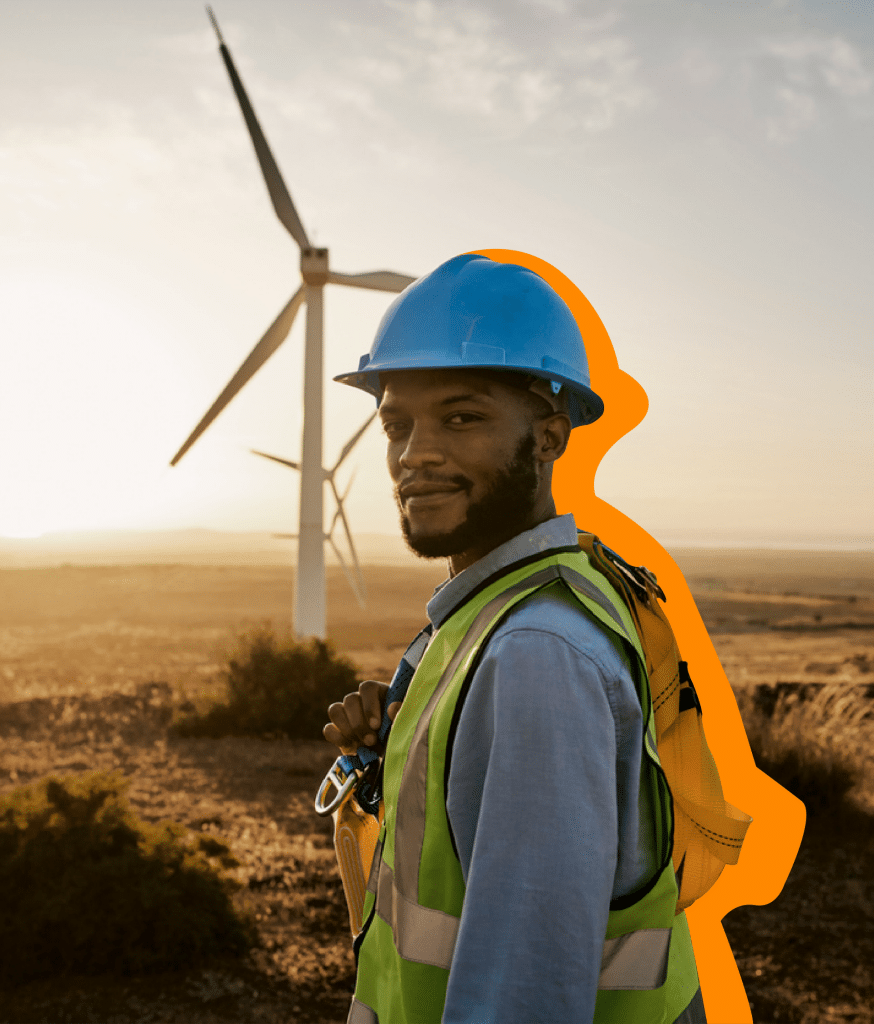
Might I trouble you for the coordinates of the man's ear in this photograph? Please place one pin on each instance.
(552, 435)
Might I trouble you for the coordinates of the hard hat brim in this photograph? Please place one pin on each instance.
(584, 405)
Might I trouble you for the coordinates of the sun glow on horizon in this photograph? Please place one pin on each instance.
(21, 532)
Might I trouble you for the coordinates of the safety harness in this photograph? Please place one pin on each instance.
(708, 831)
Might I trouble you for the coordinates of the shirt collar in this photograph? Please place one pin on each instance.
(554, 533)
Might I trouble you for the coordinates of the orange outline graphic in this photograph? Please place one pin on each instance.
(775, 834)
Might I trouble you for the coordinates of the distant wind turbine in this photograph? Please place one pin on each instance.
(356, 582)
(309, 594)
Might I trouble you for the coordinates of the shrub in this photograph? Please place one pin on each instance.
(86, 887)
(275, 686)
(819, 747)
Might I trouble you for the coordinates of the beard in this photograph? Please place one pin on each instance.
(503, 511)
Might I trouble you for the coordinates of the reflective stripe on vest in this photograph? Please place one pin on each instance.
(361, 1014)
(421, 921)
(637, 960)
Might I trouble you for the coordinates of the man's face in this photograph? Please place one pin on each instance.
(461, 455)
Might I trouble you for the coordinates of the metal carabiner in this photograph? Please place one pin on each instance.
(342, 782)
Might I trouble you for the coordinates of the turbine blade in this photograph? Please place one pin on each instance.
(346, 572)
(353, 440)
(273, 337)
(345, 521)
(279, 195)
(331, 528)
(348, 487)
(339, 501)
(276, 458)
(380, 280)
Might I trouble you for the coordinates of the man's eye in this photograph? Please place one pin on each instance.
(463, 418)
(393, 428)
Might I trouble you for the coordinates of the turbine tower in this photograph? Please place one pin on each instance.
(309, 593)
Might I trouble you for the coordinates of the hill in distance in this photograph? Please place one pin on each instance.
(182, 547)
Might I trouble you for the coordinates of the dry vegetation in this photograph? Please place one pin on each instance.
(95, 661)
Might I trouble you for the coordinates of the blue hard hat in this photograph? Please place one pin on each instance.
(476, 313)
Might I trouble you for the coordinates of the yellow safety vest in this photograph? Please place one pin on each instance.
(416, 888)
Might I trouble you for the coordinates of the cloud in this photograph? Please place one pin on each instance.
(56, 167)
(505, 66)
(196, 43)
(798, 111)
(607, 81)
(459, 52)
(811, 74)
(381, 72)
(699, 66)
(482, 69)
(555, 6)
(536, 91)
(202, 41)
(835, 62)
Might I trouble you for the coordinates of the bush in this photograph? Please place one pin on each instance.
(275, 687)
(86, 887)
(819, 747)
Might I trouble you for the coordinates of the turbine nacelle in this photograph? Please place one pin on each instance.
(314, 266)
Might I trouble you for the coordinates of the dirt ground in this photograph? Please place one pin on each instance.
(91, 659)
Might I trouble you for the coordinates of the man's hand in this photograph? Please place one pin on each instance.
(356, 719)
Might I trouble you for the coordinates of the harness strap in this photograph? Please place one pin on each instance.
(369, 789)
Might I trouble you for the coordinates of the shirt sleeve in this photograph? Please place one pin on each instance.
(533, 795)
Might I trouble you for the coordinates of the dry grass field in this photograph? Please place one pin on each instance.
(93, 661)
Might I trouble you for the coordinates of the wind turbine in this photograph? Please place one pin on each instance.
(356, 582)
(309, 594)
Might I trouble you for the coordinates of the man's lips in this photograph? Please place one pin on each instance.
(419, 493)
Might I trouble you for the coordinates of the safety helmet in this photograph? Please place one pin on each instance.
(475, 313)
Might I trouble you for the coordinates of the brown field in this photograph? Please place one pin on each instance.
(80, 648)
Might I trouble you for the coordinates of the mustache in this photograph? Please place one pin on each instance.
(460, 481)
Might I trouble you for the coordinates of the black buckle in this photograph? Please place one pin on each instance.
(368, 792)
(638, 576)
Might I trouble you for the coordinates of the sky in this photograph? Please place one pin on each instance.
(701, 171)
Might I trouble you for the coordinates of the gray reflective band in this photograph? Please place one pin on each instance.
(421, 934)
(374, 868)
(360, 1013)
(417, 648)
(579, 582)
(638, 960)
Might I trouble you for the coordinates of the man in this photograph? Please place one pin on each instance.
(523, 873)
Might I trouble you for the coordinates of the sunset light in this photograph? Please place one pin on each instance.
(707, 198)
(599, 275)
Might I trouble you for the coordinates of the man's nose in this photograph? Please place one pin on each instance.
(422, 449)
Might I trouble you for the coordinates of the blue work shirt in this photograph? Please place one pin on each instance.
(543, 800)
